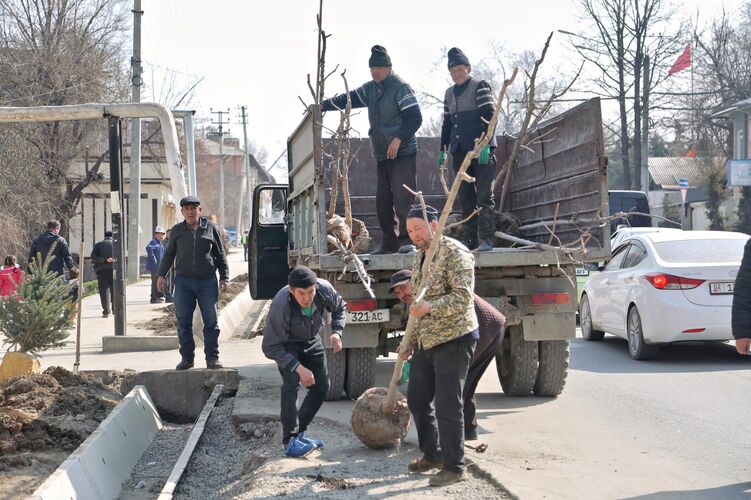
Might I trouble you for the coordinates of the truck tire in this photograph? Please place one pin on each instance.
(516, 362)
(336, 363)
(553, 367)
(361, 367)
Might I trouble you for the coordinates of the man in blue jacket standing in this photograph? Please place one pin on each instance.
(101, 257)
(394, 116)
(292, 338)
(154, 254)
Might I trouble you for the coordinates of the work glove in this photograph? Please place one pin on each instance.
(484, 157)
(441, 158)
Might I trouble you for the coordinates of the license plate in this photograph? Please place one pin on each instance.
(582, 271)
(719, 288)
(377, 316)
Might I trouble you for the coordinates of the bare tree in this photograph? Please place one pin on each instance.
(56, 52)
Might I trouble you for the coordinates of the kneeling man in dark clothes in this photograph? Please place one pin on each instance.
(292, 339)
(492, 323)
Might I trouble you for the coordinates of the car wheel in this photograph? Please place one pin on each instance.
(585, 315)
(638, 349)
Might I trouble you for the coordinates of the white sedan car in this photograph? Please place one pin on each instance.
(664, 287)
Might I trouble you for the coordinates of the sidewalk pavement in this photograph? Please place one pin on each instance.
(138, 310)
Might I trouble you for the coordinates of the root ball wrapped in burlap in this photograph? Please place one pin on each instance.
(337, 228)
(373, 427)
(360, 237)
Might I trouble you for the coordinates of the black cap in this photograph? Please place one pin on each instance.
(457, 57)
(400, 278)
(190, 200)
(301, 277)
(108, 233)
(416, 213)
(379, 58)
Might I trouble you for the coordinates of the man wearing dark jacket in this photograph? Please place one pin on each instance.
(491, 328)
(197, 253)
(44, 242)
(394, 118)
(468, 107)
(292, 338)
(741, 312)
(101, 257)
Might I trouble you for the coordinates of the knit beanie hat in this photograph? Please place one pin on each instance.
(301, 277)
(416, 213)
(379, 58)
(457, 57)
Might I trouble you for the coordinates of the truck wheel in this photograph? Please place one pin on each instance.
(516, 362)
(585, 319)
(361, 366)
(336, 363)
(553, 368)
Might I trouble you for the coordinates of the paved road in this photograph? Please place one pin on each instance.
(670, 428)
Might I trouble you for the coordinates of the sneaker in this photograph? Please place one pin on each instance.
(407, 248)
(297, 449)
(470, 434)
(446, 477)
(105, 315)
(161, 300)
(315, 442)
(384, 250)
(154, 301)
(485, 246)
(424, 464)
(184, 364)
(213, 364)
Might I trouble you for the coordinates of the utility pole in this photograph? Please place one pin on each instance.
(134, 207)
(116, 202)
(245, 191)
(645, 128)
(220, 122)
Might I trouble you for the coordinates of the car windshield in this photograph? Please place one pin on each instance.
(700, 251)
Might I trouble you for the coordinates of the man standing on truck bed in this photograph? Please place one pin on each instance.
(394, 117)
(292, 338)
(444, 340)
(197, 252)
(491, 324)
(467, 109)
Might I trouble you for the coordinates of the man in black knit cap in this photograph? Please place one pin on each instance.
(467, 109)
(394, 118)
(292, 338)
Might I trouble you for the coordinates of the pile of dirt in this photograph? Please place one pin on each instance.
(44, 417)
(166, 324)
(55, 410)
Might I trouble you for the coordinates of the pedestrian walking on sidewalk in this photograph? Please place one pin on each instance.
(292, 338)
(101, 258)
(491, 328)
(445, 336)
(244, 239)
(169, 280)
(10, 276)
(154, 255)
(197, 253)
(48, 242)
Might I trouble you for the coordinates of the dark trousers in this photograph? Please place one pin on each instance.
(245, 252)
(393, 201)
(478, 194)
(155, 293)
(475, 373)
(310, 355)
(438, 376)
(204, 291)
(106, 287)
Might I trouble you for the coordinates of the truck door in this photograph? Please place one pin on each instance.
(267, 253)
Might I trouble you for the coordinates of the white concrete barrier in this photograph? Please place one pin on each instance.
(99, 467)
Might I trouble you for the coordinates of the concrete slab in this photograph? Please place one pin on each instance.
(134, 343)
(98, 468)
(181, 395)
(233, 314)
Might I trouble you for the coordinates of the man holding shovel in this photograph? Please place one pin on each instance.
(443, 343)
(491, 328)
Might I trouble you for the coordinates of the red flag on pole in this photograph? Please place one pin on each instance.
(683, 61)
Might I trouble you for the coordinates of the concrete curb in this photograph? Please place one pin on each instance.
(135, 343)
(233, 314)
(98, 468)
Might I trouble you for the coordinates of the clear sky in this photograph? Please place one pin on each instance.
(258, 54)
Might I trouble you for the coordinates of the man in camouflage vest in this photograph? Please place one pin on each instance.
(444, 340)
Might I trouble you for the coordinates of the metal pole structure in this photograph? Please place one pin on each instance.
(645, 128)
(222, 222)
(245, 185)
(116, 199)
(134, 207)
(190, 142)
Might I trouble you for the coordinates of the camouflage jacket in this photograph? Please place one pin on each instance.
(450, 293)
